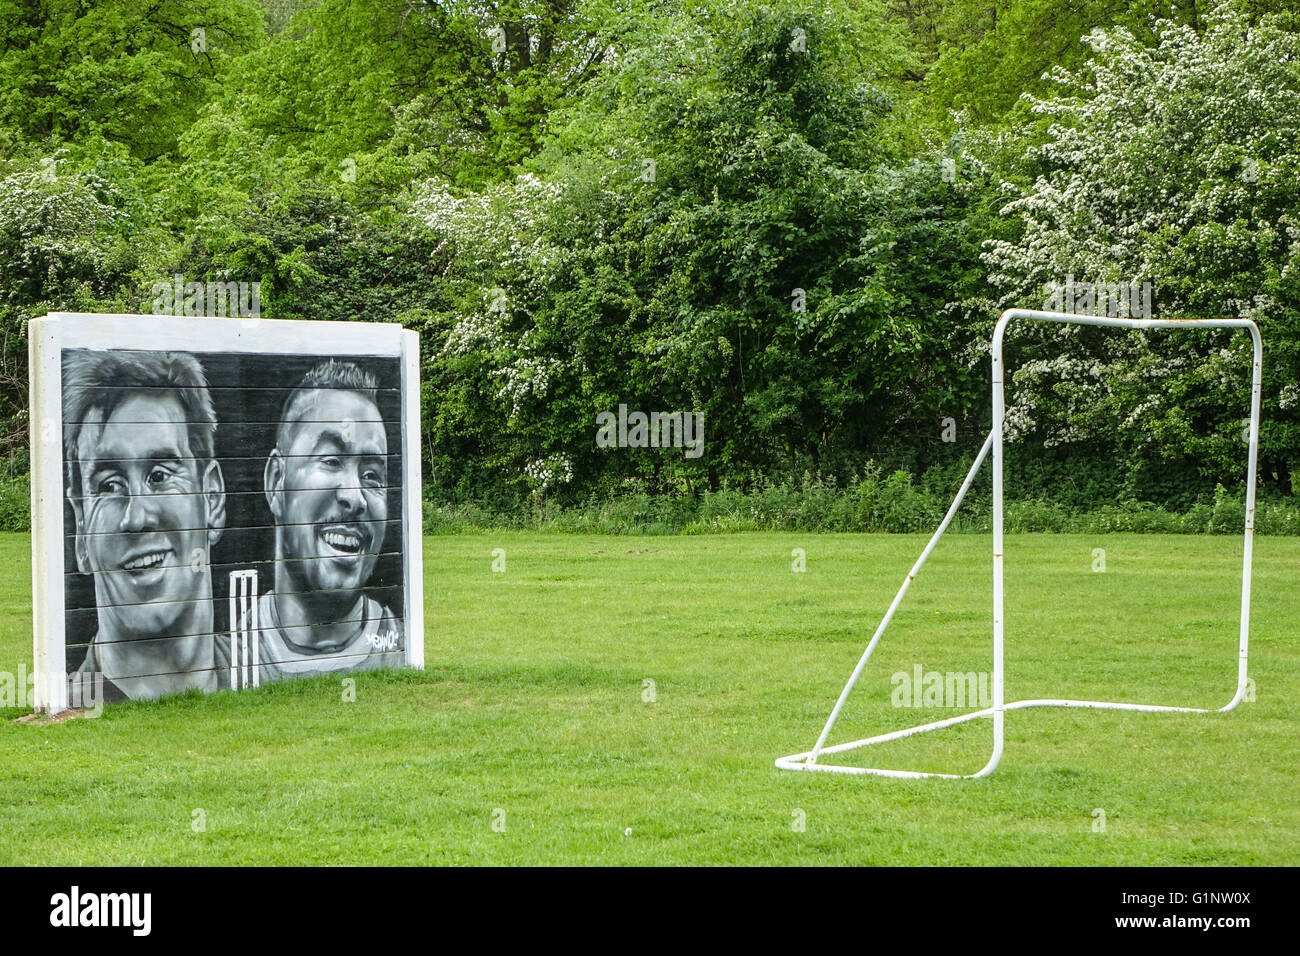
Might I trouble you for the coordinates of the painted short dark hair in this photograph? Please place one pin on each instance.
(101, 380)
(332, 374)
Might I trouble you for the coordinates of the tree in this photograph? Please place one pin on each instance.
(61, 247)
(136, 76)
(720, 228)
(1172, 163)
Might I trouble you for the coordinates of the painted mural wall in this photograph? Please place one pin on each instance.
(226, 517)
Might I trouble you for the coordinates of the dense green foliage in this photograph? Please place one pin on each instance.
(870, 503)
(797, 220)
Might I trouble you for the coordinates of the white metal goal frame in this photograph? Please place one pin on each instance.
(808, 760)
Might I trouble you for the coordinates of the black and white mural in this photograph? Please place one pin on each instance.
(231, 518)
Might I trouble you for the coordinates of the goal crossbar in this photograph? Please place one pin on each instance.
(808, 760)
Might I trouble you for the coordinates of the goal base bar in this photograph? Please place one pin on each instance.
(801, 761)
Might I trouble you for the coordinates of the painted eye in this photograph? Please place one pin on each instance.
(331, 462)
(157, 476)
(110, 486)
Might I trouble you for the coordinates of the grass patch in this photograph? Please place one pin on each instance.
(533, 704)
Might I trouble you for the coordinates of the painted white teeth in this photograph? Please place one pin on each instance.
(146, 561)
(337, 539)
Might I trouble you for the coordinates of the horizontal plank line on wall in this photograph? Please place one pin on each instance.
(346, 663)
(245, 439)
(231, 422)
(390, 359)
(252, 387)
(389, 525)
(296, 632)
(226, 567)
(259, 459)
(383, 593)
(257, 492)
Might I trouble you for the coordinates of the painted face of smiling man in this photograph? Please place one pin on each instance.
(148, 500)
(144, 514)
(326, 486)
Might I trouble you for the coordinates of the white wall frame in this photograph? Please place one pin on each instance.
(48, 336)
(809, 759)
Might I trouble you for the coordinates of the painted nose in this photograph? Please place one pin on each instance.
(141, 512)
(349, 493)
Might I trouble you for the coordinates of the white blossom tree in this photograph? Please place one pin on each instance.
(1176, 165)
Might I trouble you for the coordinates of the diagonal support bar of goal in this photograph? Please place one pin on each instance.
(809, 759)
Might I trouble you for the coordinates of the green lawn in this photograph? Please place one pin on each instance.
(531, 713)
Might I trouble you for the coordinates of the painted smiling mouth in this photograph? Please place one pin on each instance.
(146, 560)
(343, 539)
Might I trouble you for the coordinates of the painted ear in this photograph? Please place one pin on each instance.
(273, 479)
(214, 493)
(79, 539)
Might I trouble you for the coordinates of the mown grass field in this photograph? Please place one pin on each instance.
(532, 713)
